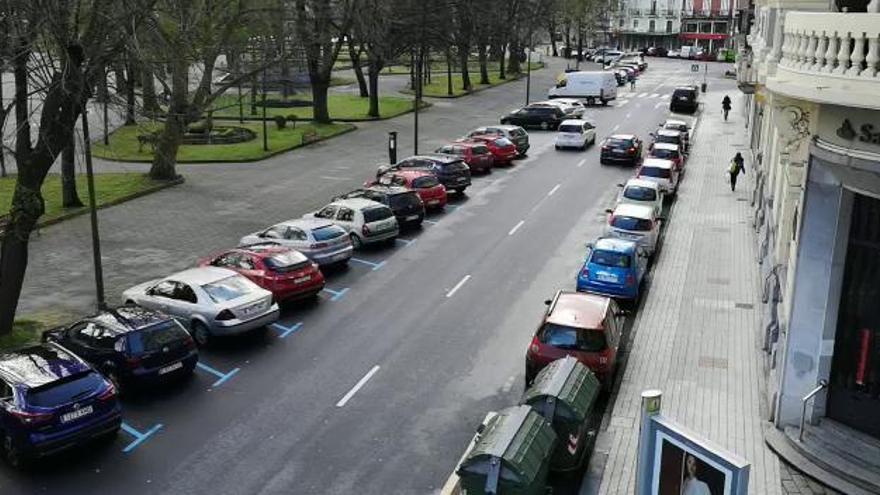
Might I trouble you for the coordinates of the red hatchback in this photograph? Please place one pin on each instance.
(285, 272)
(475, 153)
(501, 148)
(423, 182)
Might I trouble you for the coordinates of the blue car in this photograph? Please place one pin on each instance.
(614, 268)
(50, 400)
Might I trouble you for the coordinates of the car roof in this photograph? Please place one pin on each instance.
(357, 203)
(579, 310)
(622, 136)
(674, 122)
(573, 122)
(202, 275)
(642, 183)
(666, 146)
(657, 163)
(633, 210)
(469, 142)
(262, 250)
(669, 132)
(388, 189)
(128, 318)
(615, 245)
(411, 173)
(685, 88)
(306, 223)
(437, 157)
(40, 364)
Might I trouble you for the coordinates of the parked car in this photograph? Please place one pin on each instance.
(684, 99)
(668, 151)
(405, 203)
(451, 171)
(661, 171)
(673, 54)
(635, 223)
(542, 116)
(475, 154)
(622, 76)
(514, 133)
(614, 268)
(621, 148)
(572, 107)
(575, 134)
(323, 242)
(584, 326)
(591, 86)
(670, 136)
(680, 126)
(642, 192)
(366, 221)
(503, 150)
(51, 400)
(285, 272)
(212, 301)
(424, 183)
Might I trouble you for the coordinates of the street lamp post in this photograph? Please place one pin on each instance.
(528, 74)
(93, 212)
(392, 147)
(265, 130)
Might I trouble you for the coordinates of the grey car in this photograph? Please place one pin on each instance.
(211, 301)
(321, 240)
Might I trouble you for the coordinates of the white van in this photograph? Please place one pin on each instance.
(593, 86)
(687, 52)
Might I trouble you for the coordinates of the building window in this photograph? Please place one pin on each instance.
(650, 26)
(668, 26)
(705, 27)
(691, 27)
(635, 23)
(720, 27)
(621, 22)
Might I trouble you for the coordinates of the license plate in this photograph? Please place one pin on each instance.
(460, 180)
(66, 418)
(340, 256)
(301, 280)
(170, 368)
(619, 152)
(412, 217)
(606, 277)
(433, 201)
(682, 98)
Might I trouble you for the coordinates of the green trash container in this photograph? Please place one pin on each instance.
(511, 456)
(564, 393)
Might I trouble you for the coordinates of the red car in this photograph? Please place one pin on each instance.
(423, 182)
(286, 272)
(475, 153)
(501, 148)
(668, 151)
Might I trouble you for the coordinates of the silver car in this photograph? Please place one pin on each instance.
(367, 221)
(634, 222)
(321, 240)
(212, 301)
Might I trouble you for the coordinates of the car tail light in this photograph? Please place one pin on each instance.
(133, 361)
(535, 346)
(319, 245)
(365, 230)
(585, 272)
(189, 343)
(108, 394)
(31, 419)
(225, 315)
(603, 359)
(630, 280)
(605, 148)
(631, 151)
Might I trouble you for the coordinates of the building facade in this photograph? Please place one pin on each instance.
(707, 24)
(647, 23)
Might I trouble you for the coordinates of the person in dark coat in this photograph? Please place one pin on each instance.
(725, 106)
(737, 166)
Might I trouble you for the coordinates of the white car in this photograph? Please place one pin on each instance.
(575, 133)
(637, 223)
(642, 192)
(661, 171)
(673, 54)
(367, 221)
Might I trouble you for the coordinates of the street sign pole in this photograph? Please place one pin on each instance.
(650, 407)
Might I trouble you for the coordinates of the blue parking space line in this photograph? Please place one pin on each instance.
(375, 266)
(336, 294)
(407, 242)
(223, 377)
(429, 222)
(285, 331)
(454, 207)
(139, 437)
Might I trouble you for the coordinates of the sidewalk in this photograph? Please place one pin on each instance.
(697, 336)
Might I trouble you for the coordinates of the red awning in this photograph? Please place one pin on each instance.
(703, 36)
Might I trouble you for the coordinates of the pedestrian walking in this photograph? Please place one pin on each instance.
(737, 166)
(725, 106)
(632, 84)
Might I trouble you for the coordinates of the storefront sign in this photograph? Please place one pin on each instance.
(703, 36)
(853, 128)
(866, 133)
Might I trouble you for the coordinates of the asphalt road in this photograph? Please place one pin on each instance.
(379, 390)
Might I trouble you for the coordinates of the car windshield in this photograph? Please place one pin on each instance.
(619, 143)
(227, 289)
(639, 193)
(327, 232)
(376, 214)
(631, 223)
(68, 389)
(155, 337)
(662, 173)
(457, 166)
(578, 339)
(403, 200)
(668, 154)
(610, 258)
(425, 182)
(571, 128)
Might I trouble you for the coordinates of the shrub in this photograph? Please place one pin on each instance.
(280, 121)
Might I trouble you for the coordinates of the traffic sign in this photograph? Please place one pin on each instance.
(695, 67)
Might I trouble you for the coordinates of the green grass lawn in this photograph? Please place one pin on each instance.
(439, 68)
(110, 187)
(124, 144)
(438, 86)
(24, 333)
(341, 106)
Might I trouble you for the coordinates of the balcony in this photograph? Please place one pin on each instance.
(830, 58)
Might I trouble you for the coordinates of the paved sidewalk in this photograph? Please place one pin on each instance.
(696, 337)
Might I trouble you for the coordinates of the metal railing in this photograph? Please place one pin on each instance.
(823, 384)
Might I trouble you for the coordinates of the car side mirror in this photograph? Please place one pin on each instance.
(619, 184)
(609, 210)
(548, 302)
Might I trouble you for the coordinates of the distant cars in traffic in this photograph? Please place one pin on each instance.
(684, 100)
(405, 203)
(424, 183)
(475, 154)
(451, 171)
(323, 242)
(575, 134)
(503, 150)
(545, 117)
(516, 134)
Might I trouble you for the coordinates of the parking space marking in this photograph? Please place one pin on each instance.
(664, 97)
(223, 377)
(458, 286)
(581, 163)
(406, 242)
(336, 294)
(375, 266)
(655, 95)
(516, 227)
(622, 103)
(642, 95)
(429, 222)
(363, 381)
(555, 188)
(285, 331)
(139, 437)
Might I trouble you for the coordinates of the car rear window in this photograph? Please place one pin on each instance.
(662, 173)
(683, 92)
(155, 337)
(571, 128)
(457, 166)
(639, 193)
(631, 223)
(68, 389)
(403, 200)
(503, 142)
(377, 213)
(425, 182)
(620, 143)
(227, 289)
(610, 258)
(667, 139)
(518, 132)
(327, 232)
(286, 261)
(563, 337)
(668, 154)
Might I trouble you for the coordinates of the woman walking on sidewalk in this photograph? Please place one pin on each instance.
(725, 106)
(737, 166)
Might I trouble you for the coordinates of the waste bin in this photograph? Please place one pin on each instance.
(511, 456)
(564, 393)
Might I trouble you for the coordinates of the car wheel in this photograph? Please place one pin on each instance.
(356, 241)
(545, 126)
(460, 191)
(200, 333)
(557, 147)
(10, 451)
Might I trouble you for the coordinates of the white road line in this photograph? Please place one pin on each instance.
(458, 286)
(555, 188)
(516, 227)
(664, 97)
(328, 177)
(622, 103)
(581, 163)
(655, 95)
(642, 95)
(659, 104)
(357, 386)
(615, 128)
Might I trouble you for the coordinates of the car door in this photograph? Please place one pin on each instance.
(345, 218)
(159, 296)
(183, 301)
(589, 133)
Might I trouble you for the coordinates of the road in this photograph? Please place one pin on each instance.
(378, 387)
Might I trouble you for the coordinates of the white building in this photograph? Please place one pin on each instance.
(646, 23)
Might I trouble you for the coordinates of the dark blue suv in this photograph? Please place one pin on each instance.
(50, 400)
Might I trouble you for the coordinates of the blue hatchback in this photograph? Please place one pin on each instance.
(50, 400)
(613, 267)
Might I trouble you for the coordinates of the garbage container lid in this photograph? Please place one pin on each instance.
(571, 384)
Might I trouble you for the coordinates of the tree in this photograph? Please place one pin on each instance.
(355, 54)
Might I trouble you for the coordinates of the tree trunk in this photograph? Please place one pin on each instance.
(151, 103)
(567, 50)
(484, 63)
(448, 71)
(130, 99)
(373, 69)
(502, 74)
(254, 95)
(463, 52)
(69, 196)
(165, 159)
(102, 93)
(27, 207)
(551, 28)
(358, 70)
(2, 127)
(320, 87)
(514, 66)
(412, 71)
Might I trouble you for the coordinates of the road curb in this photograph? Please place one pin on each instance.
(425, 105)
(484, 88)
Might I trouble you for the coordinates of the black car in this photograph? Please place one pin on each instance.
(130, 343)
(404, 203)
(621, 148)
(451, 171)
(543, 116)
(622, 77)
(684, 99)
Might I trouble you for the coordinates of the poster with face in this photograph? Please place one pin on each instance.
(684, 471)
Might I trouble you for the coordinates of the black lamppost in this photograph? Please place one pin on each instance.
(93, 211)
(392, 147)
(265, 129)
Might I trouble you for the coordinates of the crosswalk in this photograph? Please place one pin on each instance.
(623, 99)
